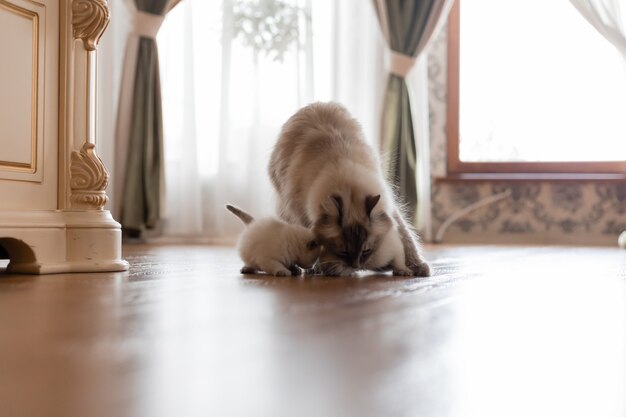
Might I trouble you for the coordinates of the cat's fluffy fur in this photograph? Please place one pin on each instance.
(328, 178)
(273, 246)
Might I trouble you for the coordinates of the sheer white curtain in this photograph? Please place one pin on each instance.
(608, 19)
(110, 63)
(224, 102)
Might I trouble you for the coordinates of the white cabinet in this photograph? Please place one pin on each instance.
(29, 70)
(52, 183)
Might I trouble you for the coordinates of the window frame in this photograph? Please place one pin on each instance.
(456, 167)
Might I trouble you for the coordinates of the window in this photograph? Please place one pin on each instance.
(533, 88)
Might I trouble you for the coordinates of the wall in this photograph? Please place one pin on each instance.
(536, 211)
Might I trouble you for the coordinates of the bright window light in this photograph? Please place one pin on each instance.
(538, 84)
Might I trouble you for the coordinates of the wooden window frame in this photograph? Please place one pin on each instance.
(457, 168)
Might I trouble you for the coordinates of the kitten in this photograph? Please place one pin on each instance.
(329, 179)
(275, 247)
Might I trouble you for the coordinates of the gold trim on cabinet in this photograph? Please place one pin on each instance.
(89, 179)
(34, 17)
(89, 20)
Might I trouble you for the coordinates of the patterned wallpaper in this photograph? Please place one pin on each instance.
(534, 212)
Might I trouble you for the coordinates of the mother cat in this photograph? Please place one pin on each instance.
(328, 178)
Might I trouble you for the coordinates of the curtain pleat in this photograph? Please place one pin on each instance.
(407, 25)
(142, 132)
(141, 193)
(607, 17)
(398, 129)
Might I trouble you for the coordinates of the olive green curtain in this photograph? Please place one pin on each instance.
(407, 26)
(399, 142)
(142, 126)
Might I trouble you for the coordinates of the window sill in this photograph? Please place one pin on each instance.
(548, 177)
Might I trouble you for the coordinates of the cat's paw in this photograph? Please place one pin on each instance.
(248, 270)
(281, 273)
(421, 269)
(404, 272)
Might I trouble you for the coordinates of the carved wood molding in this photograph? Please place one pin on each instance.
(88, 179)
(89, 20)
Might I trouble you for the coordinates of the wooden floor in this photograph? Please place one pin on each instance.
(498, 331)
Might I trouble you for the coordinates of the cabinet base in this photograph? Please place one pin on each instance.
(50, 242)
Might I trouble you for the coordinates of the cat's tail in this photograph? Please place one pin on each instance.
(243, 216)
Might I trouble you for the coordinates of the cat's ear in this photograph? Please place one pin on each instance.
(338, 201)
(370, 203)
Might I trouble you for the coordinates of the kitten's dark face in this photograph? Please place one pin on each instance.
(308, 253)
(349, 239)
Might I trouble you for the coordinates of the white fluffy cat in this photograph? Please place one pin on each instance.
(329, 179)
(273, 246)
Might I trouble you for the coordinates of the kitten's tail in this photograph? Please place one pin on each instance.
(243, 216)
